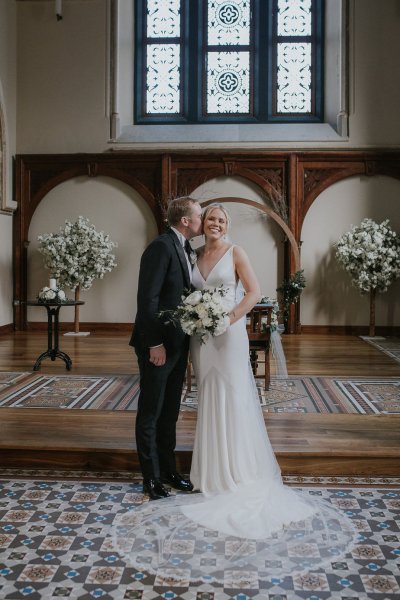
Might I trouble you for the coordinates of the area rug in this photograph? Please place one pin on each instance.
(32, 390)
(120, 392)
(323, 395)
(54, 541)
(388, 345)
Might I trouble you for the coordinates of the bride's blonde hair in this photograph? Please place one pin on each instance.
(208, 209)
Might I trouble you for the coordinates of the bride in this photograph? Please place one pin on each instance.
(244, 510)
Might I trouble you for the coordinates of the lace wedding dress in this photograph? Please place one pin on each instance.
(245, 518)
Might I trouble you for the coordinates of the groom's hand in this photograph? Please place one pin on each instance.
(158, 356)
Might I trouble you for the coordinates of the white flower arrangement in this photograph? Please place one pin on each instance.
(56, 294)
(78, 254)
(274, 325)
(202, 313)
(370, 253)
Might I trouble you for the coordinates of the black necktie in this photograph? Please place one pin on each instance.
(188, 249)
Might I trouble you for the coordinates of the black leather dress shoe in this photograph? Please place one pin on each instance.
(176, 481)
(154, 489)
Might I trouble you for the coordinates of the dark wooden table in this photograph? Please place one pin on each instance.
(53, 351)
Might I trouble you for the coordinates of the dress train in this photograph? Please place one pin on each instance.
(245, 520)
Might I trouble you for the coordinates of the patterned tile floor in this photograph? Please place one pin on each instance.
(54, 544)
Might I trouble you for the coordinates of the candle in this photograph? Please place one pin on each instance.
(58, 10)
(53, 284)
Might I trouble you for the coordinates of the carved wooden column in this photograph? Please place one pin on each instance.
(293, 324)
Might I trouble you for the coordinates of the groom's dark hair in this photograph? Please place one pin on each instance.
(178, 208)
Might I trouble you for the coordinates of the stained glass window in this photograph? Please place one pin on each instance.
(163, 81)
(294, 68)
(294, 18)
(228, 83)
(224, 61)
(163, 18)
(228, 22)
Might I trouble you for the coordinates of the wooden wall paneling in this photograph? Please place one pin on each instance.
(267, 170)
(291, 182)
(316, 177)
(270, 176)
(166, 183)
(320, 170)
(317, 171)
(189, 172)
(36, 175)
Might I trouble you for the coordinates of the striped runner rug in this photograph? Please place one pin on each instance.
(296, 394)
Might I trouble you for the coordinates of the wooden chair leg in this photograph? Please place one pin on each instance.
(253, 361)
(267, 370)
(189, 376)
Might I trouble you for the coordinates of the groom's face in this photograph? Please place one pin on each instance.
(194, 220)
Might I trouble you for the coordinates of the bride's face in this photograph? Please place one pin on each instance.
(215, 225)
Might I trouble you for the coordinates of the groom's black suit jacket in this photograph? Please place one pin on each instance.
(163, 277)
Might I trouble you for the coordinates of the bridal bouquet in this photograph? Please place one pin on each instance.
(202, 313)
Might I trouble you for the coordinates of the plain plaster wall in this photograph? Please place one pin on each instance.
(8, 137)
(63, 100)
(64, 87)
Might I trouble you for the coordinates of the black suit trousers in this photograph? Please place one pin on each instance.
(158, 411)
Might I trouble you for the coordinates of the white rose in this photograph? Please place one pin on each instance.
(193, 298)
(202, 311)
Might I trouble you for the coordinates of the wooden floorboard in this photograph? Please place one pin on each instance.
(305, 444)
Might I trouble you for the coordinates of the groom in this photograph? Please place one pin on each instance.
(162, 349)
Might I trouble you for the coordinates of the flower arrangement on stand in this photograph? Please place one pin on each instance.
(52, 294)
(370, 253)
(291, 290)
(274, 325)
(77, 255)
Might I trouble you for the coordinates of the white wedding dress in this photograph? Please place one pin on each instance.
(245, 517)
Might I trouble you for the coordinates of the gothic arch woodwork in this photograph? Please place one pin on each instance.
(36, 175)
(291, 181)
(273, 215)
(189, 174)
(319, 175)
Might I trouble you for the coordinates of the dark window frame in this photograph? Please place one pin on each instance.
(263, 60)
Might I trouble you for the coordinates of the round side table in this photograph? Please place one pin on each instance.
(53, 352)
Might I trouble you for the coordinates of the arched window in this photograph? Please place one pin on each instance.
(228, 61)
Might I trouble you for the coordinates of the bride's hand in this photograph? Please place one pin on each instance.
(223, 327)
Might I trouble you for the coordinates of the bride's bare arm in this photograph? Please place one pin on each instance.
(250, 283)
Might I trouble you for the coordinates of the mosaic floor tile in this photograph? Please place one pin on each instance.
(54, 543)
